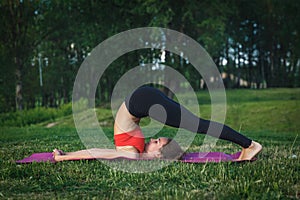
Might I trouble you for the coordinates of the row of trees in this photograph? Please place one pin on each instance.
(43, 43)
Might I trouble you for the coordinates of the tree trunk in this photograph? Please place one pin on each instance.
(19, 85)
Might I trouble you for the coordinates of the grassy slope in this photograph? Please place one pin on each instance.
(269, 116)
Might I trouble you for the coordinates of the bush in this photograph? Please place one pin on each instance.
(34, 116)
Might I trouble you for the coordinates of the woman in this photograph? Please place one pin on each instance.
(165, 148)
(129, 139)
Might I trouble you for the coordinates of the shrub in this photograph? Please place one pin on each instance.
(34, 116)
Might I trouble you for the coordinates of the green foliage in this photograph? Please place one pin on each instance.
(259, 40)
(34, 116)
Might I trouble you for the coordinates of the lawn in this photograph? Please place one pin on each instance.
(269, 116)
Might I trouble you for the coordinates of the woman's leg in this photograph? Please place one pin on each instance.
(140, 102)
(180, 117)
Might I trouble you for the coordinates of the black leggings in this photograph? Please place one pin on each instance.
(175, 115)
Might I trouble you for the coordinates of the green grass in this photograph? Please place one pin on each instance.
(268, 116)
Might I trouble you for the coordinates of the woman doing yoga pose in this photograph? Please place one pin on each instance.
(130, 141)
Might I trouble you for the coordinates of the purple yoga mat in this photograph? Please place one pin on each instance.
(195, 157)
(203, 157)
(38, 157)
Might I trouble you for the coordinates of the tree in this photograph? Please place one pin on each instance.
(16, 27)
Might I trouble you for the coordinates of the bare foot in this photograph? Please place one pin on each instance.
(250, 152)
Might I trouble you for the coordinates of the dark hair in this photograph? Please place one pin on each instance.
(171, 150)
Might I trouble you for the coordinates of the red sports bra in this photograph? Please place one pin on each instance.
(133, 138)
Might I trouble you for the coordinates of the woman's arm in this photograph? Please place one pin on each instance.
(93, 154)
